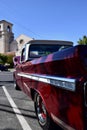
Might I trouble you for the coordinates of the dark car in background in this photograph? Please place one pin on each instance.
(3, 68)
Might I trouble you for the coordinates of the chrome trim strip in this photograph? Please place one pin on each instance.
(53, 80)
(85, 85)
(61, 123)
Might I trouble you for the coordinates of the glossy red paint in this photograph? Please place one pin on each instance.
(67, 108)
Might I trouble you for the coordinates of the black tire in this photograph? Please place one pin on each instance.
(43, 117)
(16, 86)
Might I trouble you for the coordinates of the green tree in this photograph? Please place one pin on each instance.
(6, 59)
(3, 58)
(10, 60)
(83, 41)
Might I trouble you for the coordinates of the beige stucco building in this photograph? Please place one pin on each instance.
(21, 40)
(7, 42)
(6, 36)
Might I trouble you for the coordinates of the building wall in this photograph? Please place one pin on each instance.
(21, 40)
(2, 45)
(14, 46)
(6, 36)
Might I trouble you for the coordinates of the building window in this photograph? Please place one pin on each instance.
(21, 41)
(8, 28)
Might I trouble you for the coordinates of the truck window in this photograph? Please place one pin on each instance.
(23, 55)
(38, 50)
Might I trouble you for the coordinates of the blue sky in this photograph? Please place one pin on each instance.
(46, 19)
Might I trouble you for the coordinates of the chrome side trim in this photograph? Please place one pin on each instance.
(65, 83)
(85, 85)
(61, 123)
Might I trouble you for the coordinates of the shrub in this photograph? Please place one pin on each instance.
(7, 59)
(3, 59)
(10, 60)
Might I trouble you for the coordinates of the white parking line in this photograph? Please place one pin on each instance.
(21, 119)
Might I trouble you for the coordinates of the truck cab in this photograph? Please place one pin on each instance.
(38, 48)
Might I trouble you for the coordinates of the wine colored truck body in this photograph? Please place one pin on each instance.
(60, 78)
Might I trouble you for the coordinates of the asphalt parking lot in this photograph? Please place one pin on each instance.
(6, 76)
(16, 108)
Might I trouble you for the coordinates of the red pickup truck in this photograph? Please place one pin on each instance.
(54, 75)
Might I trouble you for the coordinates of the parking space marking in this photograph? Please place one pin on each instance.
(21, 119)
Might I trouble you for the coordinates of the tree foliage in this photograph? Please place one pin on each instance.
(6, 59)
(3, 59)
(83, 41)
(10, 60)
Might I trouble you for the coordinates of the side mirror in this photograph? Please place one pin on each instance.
(16, 61)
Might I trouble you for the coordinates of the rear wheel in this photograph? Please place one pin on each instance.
(43, 117)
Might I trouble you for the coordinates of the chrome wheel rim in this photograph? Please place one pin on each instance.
(41, 111)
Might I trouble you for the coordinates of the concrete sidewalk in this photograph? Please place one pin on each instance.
(6, 76)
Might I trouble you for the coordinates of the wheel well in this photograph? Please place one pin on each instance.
(33, 93)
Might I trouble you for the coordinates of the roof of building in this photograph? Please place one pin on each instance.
(4, 21)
